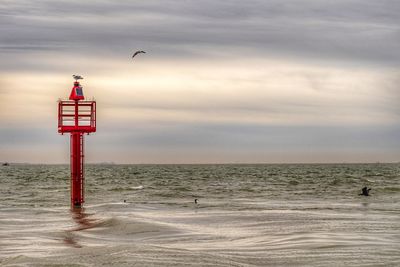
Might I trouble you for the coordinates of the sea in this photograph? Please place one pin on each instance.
(245, 215)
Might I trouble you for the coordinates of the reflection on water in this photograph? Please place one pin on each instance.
(83, 221)
(71, 240)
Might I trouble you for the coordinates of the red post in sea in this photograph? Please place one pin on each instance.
(77, 117)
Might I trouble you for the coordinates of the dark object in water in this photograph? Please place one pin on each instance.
(195, 201)
(365, 191)
(6, 164)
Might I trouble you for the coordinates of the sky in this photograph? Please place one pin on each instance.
(255, 81)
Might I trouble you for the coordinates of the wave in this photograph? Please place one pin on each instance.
(391, 189)
(127, 188)
(116, 226)
(136, 187)
(129, 255)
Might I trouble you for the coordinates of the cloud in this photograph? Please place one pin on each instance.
(223, 81)
(259, 92)
(364, 31)
(205, 143)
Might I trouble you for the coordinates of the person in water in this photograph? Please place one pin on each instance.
(365, 191)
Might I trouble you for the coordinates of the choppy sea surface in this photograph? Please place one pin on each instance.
(247, 215)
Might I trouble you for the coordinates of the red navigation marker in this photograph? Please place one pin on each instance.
(77, 116)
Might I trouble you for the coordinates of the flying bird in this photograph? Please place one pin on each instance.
(77, 77)
(138, 52)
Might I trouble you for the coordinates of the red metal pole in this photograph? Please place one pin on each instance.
(77, 194)
(77, 179)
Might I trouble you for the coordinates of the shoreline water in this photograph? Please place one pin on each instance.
(252, 215)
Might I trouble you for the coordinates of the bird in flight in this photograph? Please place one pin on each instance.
(138, 52)
(77, 77)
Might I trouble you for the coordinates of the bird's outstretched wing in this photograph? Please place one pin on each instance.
(138, 52)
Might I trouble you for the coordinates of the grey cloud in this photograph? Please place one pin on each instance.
(254, 137)
(350, 10)
(355, 31)
(345, 30)
(390, 94)
(21, 136)
(222, 138)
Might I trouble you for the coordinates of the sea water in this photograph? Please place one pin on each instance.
(246, 215)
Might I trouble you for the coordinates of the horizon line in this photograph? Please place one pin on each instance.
(209, 163)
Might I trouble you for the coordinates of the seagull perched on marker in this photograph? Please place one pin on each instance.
(77, 77)
(138, 52)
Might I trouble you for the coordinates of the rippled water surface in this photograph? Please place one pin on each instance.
(247, 215)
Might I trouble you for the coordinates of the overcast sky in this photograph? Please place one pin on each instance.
(221, 82)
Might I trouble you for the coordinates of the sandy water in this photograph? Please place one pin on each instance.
(247, 215)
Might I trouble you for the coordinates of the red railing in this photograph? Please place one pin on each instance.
(76, 116)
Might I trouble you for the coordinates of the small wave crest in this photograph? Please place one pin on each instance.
(127, 188)
(136, 187)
